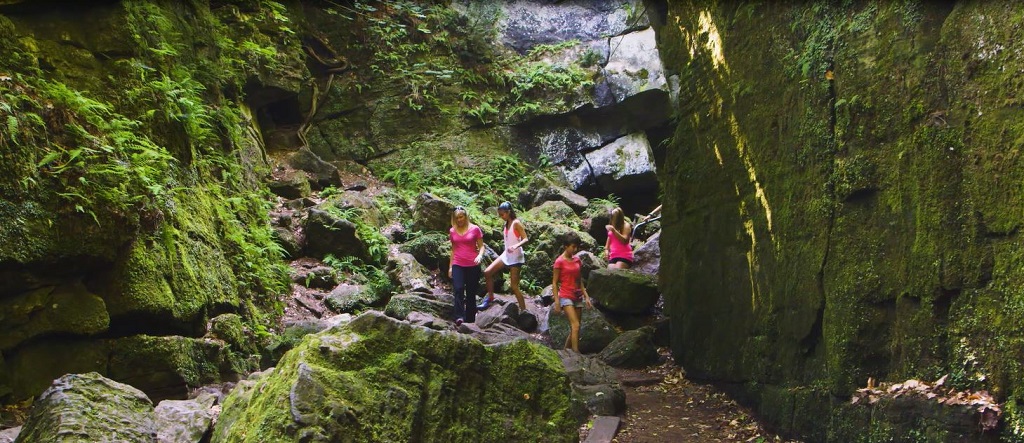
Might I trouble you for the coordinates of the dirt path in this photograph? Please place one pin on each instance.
(663, 406)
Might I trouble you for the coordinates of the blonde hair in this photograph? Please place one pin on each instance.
(457, 211)
(617, 219)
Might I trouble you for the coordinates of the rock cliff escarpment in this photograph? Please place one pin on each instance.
(843, 202)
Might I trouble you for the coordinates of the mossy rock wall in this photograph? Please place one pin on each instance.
(132, 168)
(843, 200)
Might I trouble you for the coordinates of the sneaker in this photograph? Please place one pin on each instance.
(484, 303)
(458, 322)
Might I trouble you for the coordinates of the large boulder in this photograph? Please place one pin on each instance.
(65, 309)
(400, 306)
(647, 258)
(525, 24)
(595, 385)
(378, 379)
(321, 173)
(542, 190)
(632, 349)
(351, 298)
(329, 234)
(432, 213)
(432, 249)
(185, 421)
(409, 273)
(634, 68)
(596, 332)
(90, 407)
(623, 291)
(625, 165)
(554, 211)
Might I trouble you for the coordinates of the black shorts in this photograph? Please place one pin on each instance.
(620, 259)
(515, 265)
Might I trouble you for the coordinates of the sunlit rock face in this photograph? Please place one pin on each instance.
(838, 215)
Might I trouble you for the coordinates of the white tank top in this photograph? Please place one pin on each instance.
(517, 256)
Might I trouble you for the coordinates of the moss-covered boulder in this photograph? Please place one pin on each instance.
(328, 234)
(623, 291)
(632, 349)
(432, 249)
(377, 379)
(90, 407)
(432, 213)
(596, 332)
(401, 305)
(349, 298)
(553, 211)
(67, 309)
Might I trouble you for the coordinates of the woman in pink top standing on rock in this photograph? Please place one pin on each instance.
(464, 270)
(620, 253)
(567, 286)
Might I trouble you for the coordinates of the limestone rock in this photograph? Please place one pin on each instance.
(378, 379)
(432, 213)
(647, 258)
(315, 276)
(552, 211)
(290, 185)
(632, 349)
(65, 309)
(349, 298)
(623, 290)
(634, 66)
(432, 249)
(328, 234)
(526, 24)
(183, 421)
(409, 273)
(287, 240)
(168, 366)
(401, 305)
(322, 173)
(596, 332)
(623, 165)
(364, 206)
(595, 385)
(541, 190)
(90, 407)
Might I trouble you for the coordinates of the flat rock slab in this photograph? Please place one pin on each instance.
(604, 430)
(634, 379)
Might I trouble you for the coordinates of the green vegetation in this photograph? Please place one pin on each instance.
(441, 61)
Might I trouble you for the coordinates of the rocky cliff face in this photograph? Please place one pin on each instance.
(842, 201)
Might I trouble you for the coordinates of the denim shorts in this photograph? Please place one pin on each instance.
(563, 302)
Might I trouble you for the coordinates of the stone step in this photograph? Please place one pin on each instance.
(605, 428)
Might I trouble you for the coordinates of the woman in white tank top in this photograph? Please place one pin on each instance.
(512, 257)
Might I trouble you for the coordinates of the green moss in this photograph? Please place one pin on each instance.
(380, 380)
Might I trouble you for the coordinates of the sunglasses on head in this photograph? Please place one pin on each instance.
(459, 208)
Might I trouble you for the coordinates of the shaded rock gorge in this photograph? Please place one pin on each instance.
(843, 200)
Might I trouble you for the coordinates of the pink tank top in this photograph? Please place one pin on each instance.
(464, 246)
(618, 248)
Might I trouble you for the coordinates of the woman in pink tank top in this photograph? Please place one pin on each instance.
(620, 253)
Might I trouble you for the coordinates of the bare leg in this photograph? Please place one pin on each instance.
(574, 328)
(618, 265)
(494, 268)
(514, 277)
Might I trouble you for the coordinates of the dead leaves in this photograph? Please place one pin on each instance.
(982, 402)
